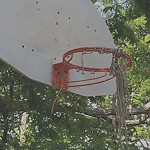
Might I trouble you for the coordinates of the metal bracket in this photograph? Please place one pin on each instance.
(60, 76)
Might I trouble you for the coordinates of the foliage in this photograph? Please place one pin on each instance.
(140, 8)
(130, 30)
(65, 130)
(93, 1)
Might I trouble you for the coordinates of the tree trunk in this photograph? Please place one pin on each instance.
(6, 127)
(23, 128)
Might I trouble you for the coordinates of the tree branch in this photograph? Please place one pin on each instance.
(106, 112)
(97, 112)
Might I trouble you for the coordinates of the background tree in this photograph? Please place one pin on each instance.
(81, 122)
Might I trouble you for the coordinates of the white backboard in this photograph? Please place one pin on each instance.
(35, 34)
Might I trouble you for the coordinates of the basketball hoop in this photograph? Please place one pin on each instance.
(60, 71)
(60, 75)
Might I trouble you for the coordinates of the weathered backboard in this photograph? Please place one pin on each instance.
(35, 34)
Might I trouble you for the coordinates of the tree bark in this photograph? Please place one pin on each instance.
(23, 128)
(6, 127)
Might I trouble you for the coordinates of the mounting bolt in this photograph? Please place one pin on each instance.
(54, 82)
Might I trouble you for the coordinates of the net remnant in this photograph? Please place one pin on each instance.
(120, 102)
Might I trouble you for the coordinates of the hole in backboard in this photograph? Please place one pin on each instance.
(22, 46)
